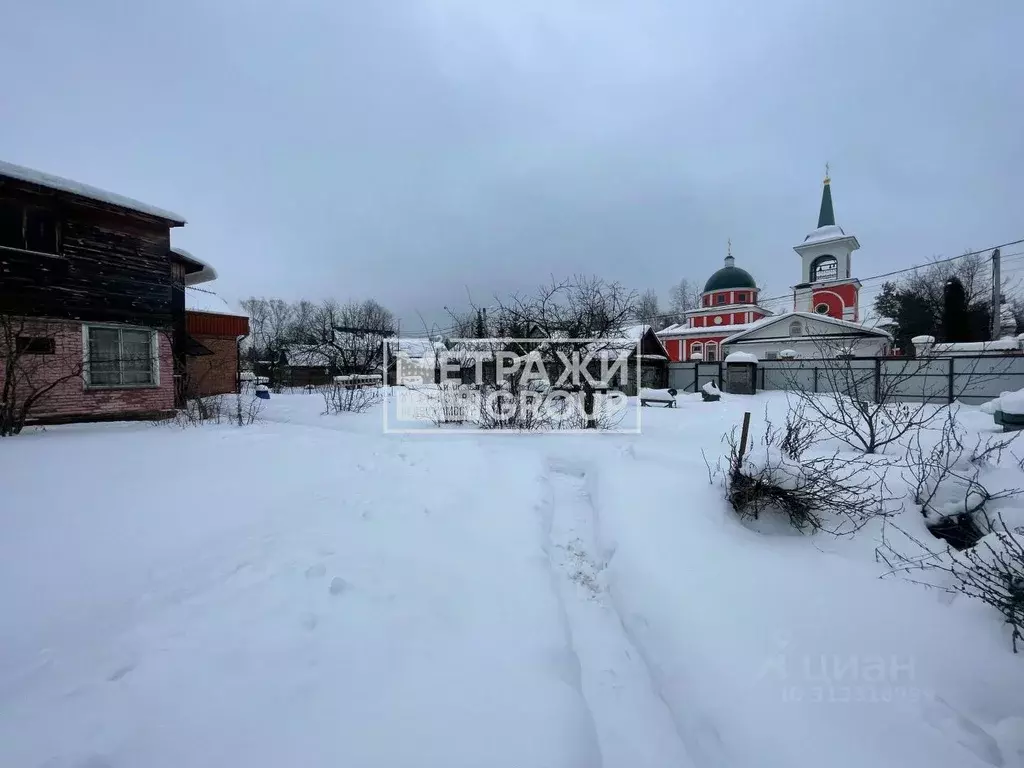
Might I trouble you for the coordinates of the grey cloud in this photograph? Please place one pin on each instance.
(410, 151)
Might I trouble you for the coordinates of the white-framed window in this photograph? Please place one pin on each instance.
(822, 309)
(120, 356)
(710, 352)
(696, 350)
(796, 328)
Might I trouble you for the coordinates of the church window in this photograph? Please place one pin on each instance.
(697, 350)
(821, 309)
(711, 352)
(796, 329)
(741, 297)
(824, 268)
(720, 298)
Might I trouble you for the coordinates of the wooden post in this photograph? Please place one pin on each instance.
(744, 433)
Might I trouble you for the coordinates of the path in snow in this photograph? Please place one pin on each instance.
(632, 725)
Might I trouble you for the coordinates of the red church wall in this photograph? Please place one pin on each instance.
(836, 298)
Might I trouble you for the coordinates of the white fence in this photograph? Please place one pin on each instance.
(939, 379)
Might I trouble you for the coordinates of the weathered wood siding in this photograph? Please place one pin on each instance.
(113, 264)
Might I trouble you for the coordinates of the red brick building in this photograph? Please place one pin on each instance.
(213, 358)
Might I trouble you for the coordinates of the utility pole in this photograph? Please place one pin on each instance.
(996, 311)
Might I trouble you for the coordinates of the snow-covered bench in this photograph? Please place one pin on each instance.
(1007, 410)
(664, 397)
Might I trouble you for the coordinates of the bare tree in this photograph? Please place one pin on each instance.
(36, 359)
(684, 297)
(466, 324)
(271, 329)
(350, 335)
(647, 311)
(581, 314)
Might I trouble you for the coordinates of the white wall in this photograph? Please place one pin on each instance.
(807, 348)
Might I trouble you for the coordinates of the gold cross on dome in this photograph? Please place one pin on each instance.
(826, 172)
(729, 247)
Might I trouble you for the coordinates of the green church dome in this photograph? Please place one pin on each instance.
(729, 278)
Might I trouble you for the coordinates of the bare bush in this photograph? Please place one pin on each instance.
(827, 493)
(991, 571)
(946, 479)
(217, 409)
(247, 410)
(339, 398)
(202, 410)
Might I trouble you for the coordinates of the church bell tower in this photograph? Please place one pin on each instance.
(827, 285)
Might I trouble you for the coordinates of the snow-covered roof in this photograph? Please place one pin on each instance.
(634, 332)
(969, 348)
(809, 316)
(204, 300)
(878, 321)
(204, 274)
(414, 347)
(710, 330)
(824, 234)
(12, 171)
(740, 357)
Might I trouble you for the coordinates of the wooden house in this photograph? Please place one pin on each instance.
(93, 298)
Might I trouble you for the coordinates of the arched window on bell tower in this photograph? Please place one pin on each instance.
(824, 268)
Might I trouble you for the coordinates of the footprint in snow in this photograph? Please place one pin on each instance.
(338, 585)
(316, 570)
(120, 672)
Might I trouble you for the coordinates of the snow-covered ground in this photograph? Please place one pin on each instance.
(308, 591)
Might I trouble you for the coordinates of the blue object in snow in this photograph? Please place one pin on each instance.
(263, 392)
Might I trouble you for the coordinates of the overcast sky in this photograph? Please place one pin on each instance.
(411, 150)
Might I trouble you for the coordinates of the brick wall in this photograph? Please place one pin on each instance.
(71, 399)
(214, 374)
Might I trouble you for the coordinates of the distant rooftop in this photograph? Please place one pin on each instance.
(12, 171)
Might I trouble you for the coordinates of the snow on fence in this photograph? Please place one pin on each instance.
(973, 380)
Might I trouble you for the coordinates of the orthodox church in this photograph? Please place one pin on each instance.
(824, 301)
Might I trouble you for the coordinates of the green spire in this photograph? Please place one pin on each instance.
(826, 217)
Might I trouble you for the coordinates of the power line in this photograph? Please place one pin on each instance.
(872, 278)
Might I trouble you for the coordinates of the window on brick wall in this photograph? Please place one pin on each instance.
(35, 345)
(28, 228)
(121, 357)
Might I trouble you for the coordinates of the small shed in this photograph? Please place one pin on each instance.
(741, 373)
